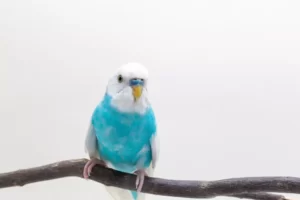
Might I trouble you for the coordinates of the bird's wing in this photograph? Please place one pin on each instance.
(155, 147)
(91, 143)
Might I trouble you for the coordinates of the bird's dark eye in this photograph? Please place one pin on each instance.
(120, 78)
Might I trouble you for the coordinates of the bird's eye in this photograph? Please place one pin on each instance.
(120, 78)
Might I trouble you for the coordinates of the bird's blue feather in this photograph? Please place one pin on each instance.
(123, 139)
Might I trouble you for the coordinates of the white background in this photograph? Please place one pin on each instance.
(224, 83)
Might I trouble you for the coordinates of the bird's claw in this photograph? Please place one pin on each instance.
(89, 166)
(140, 179)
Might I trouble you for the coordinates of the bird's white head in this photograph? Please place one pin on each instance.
(128, 88)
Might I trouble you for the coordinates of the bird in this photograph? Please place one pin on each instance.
(122, 133)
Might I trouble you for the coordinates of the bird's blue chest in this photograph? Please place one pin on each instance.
(123, 138)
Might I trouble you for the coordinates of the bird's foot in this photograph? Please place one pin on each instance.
(141, 173)
(89, 166)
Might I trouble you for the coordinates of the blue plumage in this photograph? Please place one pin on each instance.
(123, 138)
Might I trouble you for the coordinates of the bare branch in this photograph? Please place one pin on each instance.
(248, 187)
(260, 196)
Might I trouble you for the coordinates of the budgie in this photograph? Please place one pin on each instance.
(123, 133)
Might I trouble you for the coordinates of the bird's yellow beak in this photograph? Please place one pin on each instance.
(137, 87)
(137, 91)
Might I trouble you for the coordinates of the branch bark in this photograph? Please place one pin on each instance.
(248, 187)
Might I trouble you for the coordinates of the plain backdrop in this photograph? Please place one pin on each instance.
(224, 83)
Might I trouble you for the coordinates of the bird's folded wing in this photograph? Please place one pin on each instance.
(91, 143)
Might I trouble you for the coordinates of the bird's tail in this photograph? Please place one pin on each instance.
(122, 194)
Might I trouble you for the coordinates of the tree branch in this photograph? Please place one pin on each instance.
(260, 196)
(248, 187)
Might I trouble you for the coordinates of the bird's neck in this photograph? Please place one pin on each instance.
(126, 104)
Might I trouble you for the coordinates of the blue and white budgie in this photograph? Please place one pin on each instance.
(122, 134)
